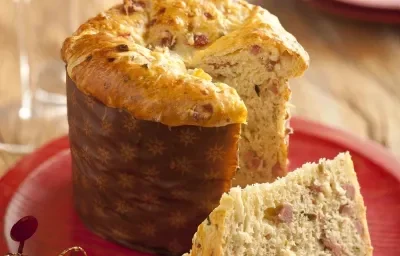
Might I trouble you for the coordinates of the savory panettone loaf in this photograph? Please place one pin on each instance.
(316, 210)
(149, 57)
(154, 137)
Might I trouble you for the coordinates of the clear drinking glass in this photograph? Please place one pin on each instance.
(40, 27)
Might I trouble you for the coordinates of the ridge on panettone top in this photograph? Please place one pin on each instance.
(141, 56)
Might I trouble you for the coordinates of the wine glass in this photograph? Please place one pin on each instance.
(39, 114)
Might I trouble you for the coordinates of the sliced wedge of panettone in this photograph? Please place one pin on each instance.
(316, 210)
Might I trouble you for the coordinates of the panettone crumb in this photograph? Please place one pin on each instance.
(260, 78)
(286, 217)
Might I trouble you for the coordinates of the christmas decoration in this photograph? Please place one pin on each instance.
(24, 229)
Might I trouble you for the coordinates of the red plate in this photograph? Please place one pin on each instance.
(349, 9)
(383, 4)
(40, 185)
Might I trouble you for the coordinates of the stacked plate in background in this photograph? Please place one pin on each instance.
(380, 11)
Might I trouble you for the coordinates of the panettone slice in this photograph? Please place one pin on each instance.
(316, 210)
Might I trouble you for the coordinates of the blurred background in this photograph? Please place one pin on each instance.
(353, 82)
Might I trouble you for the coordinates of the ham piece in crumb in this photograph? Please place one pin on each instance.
(286, 213)
(333, 246)
(253, 161)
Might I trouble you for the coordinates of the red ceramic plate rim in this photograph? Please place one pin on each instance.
(368, 149)
(358, 12)
(387, 4)
(16, 175)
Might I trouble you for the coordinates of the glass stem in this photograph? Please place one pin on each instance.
(25, 111)
(73, 16)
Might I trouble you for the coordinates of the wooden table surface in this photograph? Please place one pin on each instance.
(353, 82)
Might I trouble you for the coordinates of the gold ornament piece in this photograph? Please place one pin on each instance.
(73, 249)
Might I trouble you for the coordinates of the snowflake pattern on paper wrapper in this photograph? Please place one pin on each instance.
(148, 229)
(130, 124)
(122, 207)
(101, 183)
(106, 127)
(174, 246)
(212, 175)
(180, 194)
(215, 153)
(177, 219)
(182, 165)
(127, 152)
(87, 128)
(126, 180)
(104, 155)
(187, 137)
(156, 147)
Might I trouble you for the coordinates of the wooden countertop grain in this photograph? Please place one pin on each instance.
(353, 82)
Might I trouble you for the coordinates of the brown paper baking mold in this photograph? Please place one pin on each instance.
(143, 184)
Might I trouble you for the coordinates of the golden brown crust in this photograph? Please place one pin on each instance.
(135, 57)
(263, 30)
(151, 92)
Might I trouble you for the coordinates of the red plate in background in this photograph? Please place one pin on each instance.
(362, 12)
(40, 185)
(382, 4)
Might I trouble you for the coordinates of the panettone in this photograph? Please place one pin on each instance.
(316, 210)
(154, 137)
